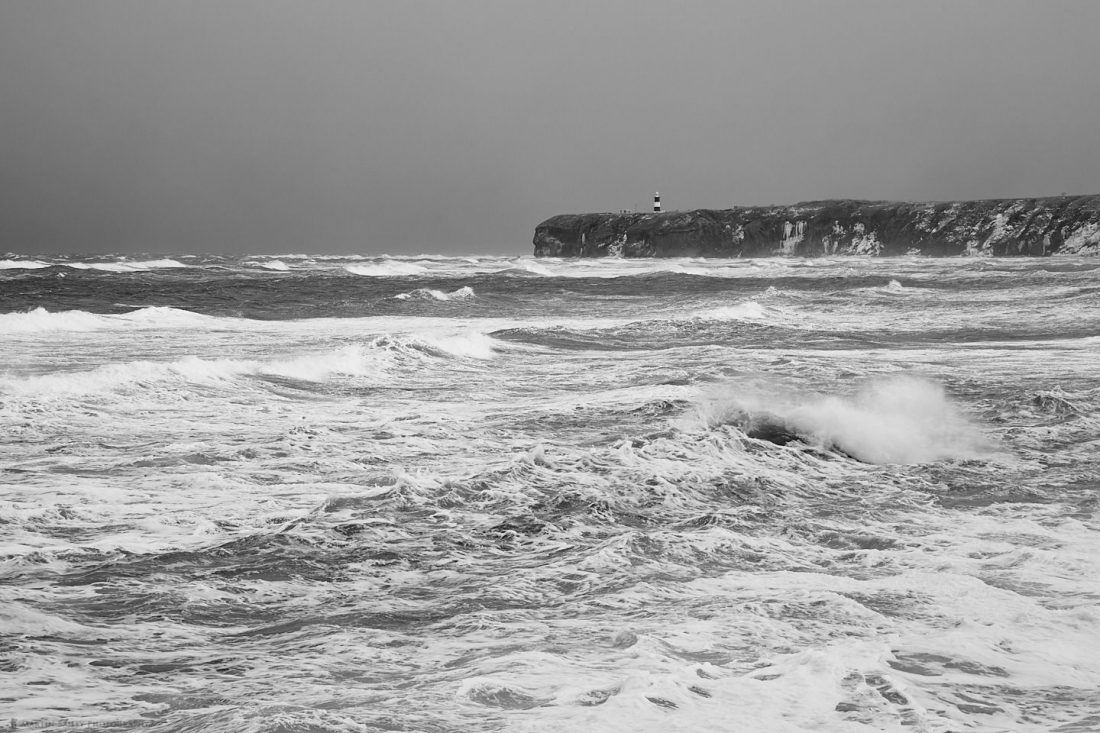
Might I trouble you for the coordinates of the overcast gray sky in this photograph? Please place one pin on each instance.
(413, 126)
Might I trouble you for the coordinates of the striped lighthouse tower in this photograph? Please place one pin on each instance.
(657, 203)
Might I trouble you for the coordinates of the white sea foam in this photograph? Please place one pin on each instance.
(22, 264)
(377, 358)
(533, 267)
(41, 320)
(428, 294)
(352, 360)
(381, 354)
(899, 419)
(166, 317)
(139, 374)
(473, 344)
(748, 311)
(274, 265)
(126, 265)
(389, 268)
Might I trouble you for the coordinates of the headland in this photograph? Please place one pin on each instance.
(996, 227)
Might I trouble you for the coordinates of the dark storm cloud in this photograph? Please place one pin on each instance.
(456, 126)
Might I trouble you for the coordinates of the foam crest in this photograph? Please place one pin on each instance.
(388, 268)
(900, 419)
(533, 268)
(462, 293)
(22, 265)
(40, 320)
(161, 316)
(126, 266)
(275, 265)
(748, 311)
(108, 377)
(472, 345)
(374, 359)
(353, 360)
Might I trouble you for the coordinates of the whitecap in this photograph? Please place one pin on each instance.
(749, 310)
(473, 345)
(900, 419)
(530, 267)
(126, 265)
(22, 265)
(372, 359)
(110, 377)
(389, 268)
(40, 320)
(161, 316)
(462, 293)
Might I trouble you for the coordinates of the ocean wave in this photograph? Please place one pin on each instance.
(125, 265)
(525, 267)
(472, 345)
(389, 268)
(22, 265)
(749, 310)
(900, 419)
(462, 293)
(274, 265)
(893, 287)
(139, 374)
(381, 357)
(40, 320)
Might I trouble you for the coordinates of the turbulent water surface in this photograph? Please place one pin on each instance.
(451, 494)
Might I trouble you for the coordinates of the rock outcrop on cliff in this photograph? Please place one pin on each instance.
(1046, 226)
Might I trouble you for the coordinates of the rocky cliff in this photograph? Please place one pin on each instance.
(1057, 225)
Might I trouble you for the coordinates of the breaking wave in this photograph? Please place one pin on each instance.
(382, 357)
(388, 268)
(526, 267)
(900, 419)
(125, 266)
(274, 265)
(40, 320)
(462, 293)
(116, 266)
(22, 265)
(748, 311)
(472, 345)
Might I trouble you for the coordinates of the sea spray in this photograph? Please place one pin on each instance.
(462, 293)
(897, 419)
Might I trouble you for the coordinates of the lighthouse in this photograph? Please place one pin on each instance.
(657, 203)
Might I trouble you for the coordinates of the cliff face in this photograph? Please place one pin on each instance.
(1057, 225)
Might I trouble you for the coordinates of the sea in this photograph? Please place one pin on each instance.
(306, 493)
